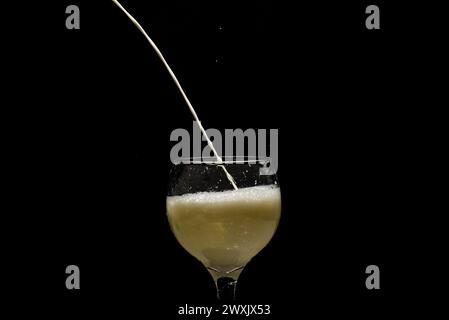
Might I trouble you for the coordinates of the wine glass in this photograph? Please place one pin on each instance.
(220, 226)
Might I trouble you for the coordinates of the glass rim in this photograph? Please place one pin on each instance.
(214, 160)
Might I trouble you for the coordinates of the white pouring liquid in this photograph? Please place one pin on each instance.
(173, 76)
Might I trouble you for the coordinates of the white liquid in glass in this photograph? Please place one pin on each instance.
(224, 230)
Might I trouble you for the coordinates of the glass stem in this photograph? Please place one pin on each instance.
(226, 287)
(226, 283)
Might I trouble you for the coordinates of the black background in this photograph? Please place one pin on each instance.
(96, 119)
